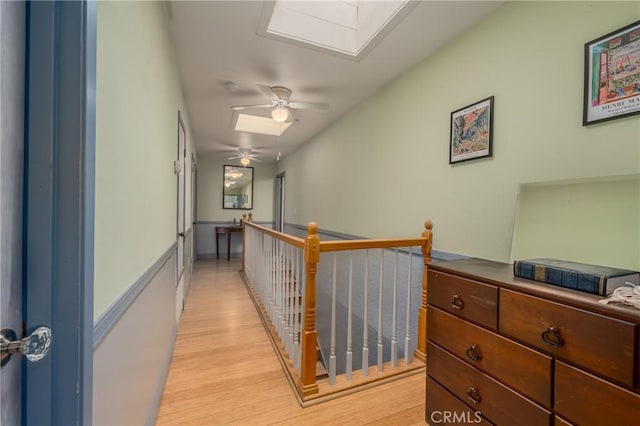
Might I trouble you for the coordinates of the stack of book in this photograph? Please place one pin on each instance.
(594, 279)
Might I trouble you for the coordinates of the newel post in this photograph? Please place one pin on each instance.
(421, 350)
(309, 335)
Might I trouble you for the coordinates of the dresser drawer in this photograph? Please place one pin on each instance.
(442, 407)
(522, 368)
(467, 299)
(583, 398)
(559, 421)
(496, 402)
(601, 344)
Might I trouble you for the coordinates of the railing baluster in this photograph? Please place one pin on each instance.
(274, 298)
(285, 296)
(290, 284)
(303, 305)
(285, 299)
(267, 287)
(365, 329)
(350, 321)
(296, 311)
(269, 267)
(394, 315)
(281, 291)
(269, 275)
(380, 347)
(332, 353)
(407, 335)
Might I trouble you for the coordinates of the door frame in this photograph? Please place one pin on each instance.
(278, 203)
(181, 172)
(194, 208)
(59, 208)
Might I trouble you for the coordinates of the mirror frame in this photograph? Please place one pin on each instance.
(224, 173)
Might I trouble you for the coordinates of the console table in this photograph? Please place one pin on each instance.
(513, 351)
(226, 230)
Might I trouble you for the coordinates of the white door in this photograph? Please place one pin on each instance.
(181, 169)
(12, 54)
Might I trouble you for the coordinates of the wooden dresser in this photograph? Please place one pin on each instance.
(508, 351)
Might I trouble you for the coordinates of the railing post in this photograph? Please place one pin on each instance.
(310, 335)
(421, 350)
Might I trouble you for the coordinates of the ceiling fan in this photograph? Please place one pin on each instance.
(282, 105)
(245, 156)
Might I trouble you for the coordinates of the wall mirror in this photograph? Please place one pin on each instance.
(237, 191)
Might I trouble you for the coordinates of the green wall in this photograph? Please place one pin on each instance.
(138, 95)
(594, 221)
(383, 168)
(210, 190)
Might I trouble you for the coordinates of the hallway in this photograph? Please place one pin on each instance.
(224, 369)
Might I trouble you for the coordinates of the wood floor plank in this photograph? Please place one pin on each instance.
(224, 369)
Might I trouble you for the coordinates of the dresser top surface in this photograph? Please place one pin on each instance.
(501, 275)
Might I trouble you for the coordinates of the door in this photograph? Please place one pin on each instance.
(12, 57)
(194, 208)
(279, 203)
(47, 135)
(181, 169)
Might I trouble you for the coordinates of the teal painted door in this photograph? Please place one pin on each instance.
(12, 59)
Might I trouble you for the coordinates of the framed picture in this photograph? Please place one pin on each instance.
(472, 132)
(612, 75)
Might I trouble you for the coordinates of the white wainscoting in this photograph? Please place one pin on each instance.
(133, 344)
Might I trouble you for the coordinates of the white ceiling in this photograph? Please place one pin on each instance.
(217, 42)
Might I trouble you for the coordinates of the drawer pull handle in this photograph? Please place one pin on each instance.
(474, 395)
(473, 353)
(456, 302)
(551, 336)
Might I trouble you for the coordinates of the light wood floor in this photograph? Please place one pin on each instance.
(224, 369)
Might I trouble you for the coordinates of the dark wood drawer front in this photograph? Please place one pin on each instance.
(601, 344)
(467, 299)
(524, 369)
(496, 402)
(442, 407)
(583, 398)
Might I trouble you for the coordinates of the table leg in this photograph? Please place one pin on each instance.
(217, 249)
(228, 246)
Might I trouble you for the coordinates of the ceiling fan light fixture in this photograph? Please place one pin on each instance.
(280, 114)
(245, 161)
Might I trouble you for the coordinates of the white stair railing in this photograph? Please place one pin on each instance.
(285, 273)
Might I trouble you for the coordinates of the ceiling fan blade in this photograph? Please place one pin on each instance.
(267, 91)
(233, 157)
(241, 107)
(317, 106)
(291, 118)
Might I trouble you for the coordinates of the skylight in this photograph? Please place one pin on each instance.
(347, 28)
(261, 125)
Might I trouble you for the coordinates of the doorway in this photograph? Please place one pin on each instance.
(279, 203)
(180, 169)
(194, 207)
